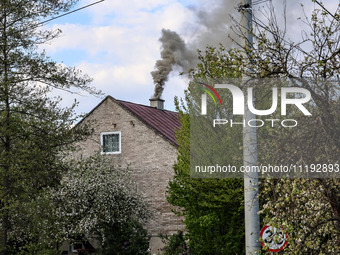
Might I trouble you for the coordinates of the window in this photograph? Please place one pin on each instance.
(111, 142)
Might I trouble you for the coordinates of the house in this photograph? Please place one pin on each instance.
(142, 138)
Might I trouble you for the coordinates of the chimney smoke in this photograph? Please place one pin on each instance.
(174, 53)
(211, 28)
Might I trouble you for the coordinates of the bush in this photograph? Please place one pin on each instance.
(175, 245)
(130, 238)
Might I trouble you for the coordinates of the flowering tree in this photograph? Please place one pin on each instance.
(308, 208)
(98, 201)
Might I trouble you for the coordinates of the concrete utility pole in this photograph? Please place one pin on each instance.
(251, 203)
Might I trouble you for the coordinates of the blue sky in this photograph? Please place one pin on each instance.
(116, 42)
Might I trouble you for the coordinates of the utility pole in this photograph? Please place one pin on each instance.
(251, 203)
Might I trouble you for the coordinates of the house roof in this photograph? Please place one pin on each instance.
(163, 122)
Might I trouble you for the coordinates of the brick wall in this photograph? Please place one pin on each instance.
(146, 153)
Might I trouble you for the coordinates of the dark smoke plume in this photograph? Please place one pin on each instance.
(174, 53)
(209, 28)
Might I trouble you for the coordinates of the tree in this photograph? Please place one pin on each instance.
(308, 208)
(212, 208)
(34, 131)
(98, 201)
(175, 244)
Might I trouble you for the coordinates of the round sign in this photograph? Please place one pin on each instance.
(274, 239)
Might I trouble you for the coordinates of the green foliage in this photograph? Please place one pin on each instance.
(33, 248)
(308, 216)
(41, 231)
(35, 132)
(212, 208)
(126, 239)
(308, 208)
(218, 63)
(175, 244)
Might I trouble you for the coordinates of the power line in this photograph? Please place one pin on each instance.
(323, 7)
(67, 13)
(62, 15)
(260, 2)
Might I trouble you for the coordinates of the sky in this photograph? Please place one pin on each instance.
(117, 42)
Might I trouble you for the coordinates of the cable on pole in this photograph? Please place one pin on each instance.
(67, 13)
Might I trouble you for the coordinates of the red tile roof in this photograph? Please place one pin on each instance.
(163, 122)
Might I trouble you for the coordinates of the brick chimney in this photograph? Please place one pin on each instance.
(157, 103)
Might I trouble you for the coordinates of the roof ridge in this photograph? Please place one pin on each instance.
(163, 123)
(118, 100)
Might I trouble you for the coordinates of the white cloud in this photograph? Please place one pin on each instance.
(119, 44)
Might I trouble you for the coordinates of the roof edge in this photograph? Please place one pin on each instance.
(142, 120)
(134, 114)
(90, 112)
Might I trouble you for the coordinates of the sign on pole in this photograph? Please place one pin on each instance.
(273, 239)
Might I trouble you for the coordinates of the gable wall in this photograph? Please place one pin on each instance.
(146, 153)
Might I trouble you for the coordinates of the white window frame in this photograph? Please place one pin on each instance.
(102, 142)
